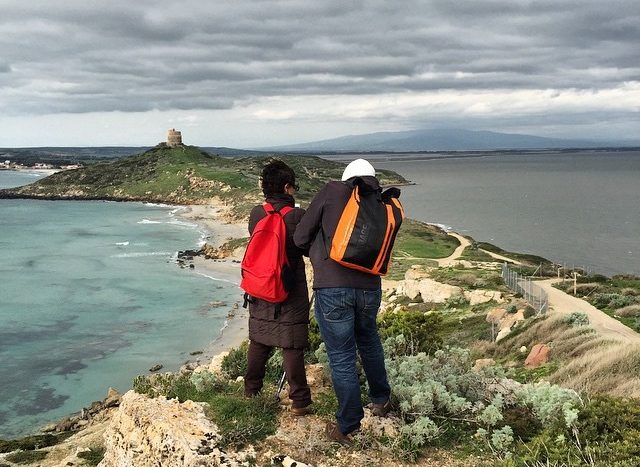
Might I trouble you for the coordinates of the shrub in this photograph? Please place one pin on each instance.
(234, 364)
(512, 308)
(606, 432)
(455, 301)
(434, 392)
(422, 332)
(26, 457)
(631, 311)
(577, 318)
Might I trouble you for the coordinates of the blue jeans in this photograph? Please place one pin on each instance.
(347, 319)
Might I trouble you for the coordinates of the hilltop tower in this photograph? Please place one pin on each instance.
(174, 138)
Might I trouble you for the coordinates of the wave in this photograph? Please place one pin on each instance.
(142, 254)
(228, 281)
(445, 227)
(190, 225)
(159, 205)
(147, 221)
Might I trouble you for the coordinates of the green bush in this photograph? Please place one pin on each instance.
(606, 433)
(512, 308)
(422, 332)
(577, 318)
(29, 443)
(26, 457)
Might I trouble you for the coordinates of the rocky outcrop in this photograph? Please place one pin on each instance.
(476, 297)
(148, 432)
(429, 290)
(538, 356)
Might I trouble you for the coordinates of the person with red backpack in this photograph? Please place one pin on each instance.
(274, 279)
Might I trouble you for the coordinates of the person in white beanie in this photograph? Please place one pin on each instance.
(346, 304)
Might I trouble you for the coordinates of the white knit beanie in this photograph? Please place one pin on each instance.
(358, 168)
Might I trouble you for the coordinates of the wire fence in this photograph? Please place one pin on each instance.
(532, 292)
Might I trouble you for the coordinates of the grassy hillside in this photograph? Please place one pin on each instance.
(182, 175)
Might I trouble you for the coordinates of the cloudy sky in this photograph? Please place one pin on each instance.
(263, 72)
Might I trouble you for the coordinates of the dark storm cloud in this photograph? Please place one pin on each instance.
(79, 56)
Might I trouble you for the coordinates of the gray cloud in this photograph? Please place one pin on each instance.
(77, 56)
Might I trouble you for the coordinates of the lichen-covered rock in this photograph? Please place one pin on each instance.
(151, 432)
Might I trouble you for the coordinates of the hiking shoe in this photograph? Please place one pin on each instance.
(334, 434)
(381, 410)
(301, 411)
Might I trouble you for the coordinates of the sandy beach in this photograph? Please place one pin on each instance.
(211, 218)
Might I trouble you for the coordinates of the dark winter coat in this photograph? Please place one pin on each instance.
(290, 326)
(316, 229)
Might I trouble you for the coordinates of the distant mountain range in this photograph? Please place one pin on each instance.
(445, 140)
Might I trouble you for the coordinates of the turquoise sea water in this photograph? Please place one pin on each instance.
(90, 296)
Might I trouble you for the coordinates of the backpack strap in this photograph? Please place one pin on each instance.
(283, 211)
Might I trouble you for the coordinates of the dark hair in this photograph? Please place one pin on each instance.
(275, 175)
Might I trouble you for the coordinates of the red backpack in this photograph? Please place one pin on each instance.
(265, 262)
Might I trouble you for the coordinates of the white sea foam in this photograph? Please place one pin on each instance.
(159, 205)
(147, 221)
(122, 243)
(190, 225)
(236, 283)
(142, 254)
(445, 227)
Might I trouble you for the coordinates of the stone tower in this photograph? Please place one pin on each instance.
(174, 138)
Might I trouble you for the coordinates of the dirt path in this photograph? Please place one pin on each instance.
(457, 253)
(606, 326)
(500, 257)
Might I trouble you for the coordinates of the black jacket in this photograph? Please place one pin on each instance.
(289, 327)
(322, 216)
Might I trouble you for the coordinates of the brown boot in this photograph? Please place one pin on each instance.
(334, 434)
(301, 411)
(381, 410)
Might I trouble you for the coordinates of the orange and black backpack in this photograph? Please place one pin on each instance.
(367, 229)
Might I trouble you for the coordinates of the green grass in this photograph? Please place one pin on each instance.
(92, 457)
(241, 420)
(522, 257)
(470, 279)
(419, 243)
(30, 443)
(26, 457)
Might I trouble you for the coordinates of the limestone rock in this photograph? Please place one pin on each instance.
(388, 426)
(502, 334)
(149, 432)
(476, 297)
(538, 356)
(483, 363)
(436, 292)
(495, 315)
(416, 272)
(511, 319)
(410, 288)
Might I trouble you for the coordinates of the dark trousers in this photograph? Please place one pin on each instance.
(257, 357)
